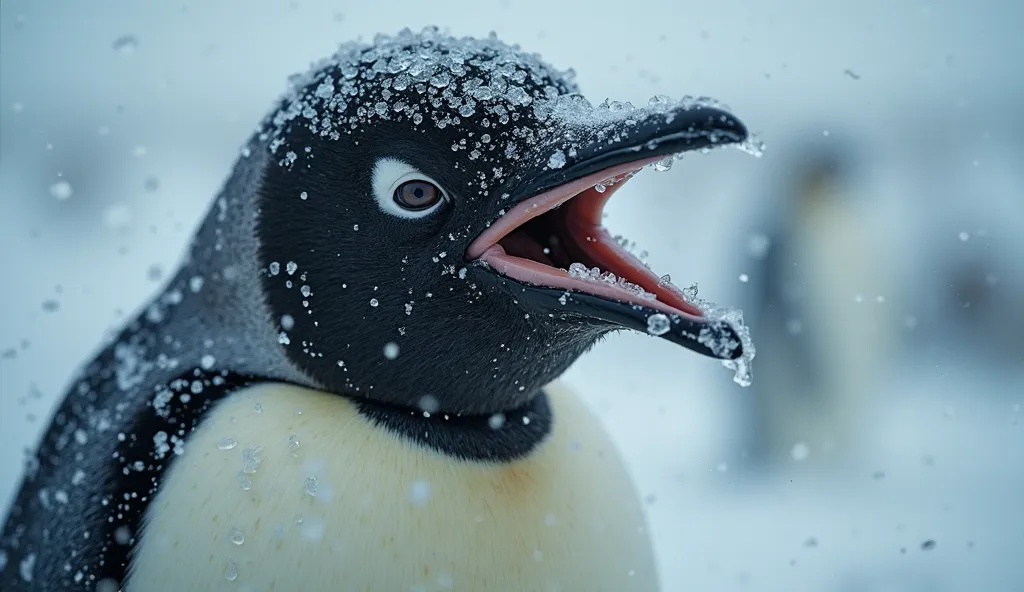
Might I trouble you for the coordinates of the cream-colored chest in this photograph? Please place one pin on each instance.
(305, 494)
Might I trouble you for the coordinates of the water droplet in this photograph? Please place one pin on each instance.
(757, 246)
(313, 530)
(236, 536)
(62, 190)
(800, 451)
(373, 302)
(250, 460)
(391, 350)
(964, 236)
(744, 278)
(207, 362)
(753, 145)
(231, 571)
(658, 324)
(429, 404)
(310, 486)
(419, 492)
(664, 164)
(227, 443)
(496, 421)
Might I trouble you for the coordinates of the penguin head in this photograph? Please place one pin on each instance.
(430, 220)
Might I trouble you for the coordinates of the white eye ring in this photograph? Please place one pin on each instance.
(388, 175)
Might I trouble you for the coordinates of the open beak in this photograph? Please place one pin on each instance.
(553, 244)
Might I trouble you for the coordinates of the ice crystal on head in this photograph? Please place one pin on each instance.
(557, 160)
(413, 77)
(496, 101)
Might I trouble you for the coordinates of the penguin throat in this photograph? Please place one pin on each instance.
(556, 240)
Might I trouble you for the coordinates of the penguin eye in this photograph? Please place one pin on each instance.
(417, 195)
(403, 191)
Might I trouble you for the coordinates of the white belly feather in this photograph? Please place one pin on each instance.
(353, 508)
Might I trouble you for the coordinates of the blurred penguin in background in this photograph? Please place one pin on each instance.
(815, 274)
(970, 314)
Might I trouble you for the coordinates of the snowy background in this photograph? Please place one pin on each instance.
(882, 446)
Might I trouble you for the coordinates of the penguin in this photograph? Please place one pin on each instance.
(350, 382)
(817, 299)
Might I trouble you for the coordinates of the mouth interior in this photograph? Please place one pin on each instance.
(556, 240)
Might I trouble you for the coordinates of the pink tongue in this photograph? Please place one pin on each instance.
(583, 223)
